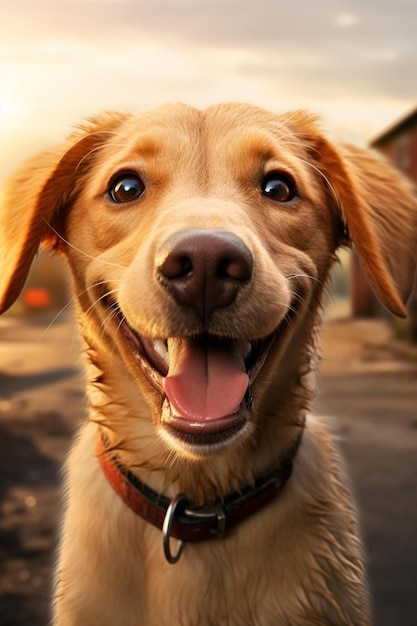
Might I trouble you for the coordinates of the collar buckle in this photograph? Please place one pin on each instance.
(212, 511)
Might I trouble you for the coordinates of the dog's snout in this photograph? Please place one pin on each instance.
(204, 269)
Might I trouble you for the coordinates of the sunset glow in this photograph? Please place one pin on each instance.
(61, 62)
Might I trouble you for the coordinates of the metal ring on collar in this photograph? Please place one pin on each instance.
(166, 529)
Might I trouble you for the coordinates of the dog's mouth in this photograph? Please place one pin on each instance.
(204, 381)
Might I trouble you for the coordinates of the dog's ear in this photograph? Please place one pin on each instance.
(379, 212)
(33, 201)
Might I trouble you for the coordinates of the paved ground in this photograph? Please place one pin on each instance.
(368, 382)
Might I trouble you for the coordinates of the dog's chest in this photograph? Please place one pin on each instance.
(220, 588)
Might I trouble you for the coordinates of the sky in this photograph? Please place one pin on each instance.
(354, 62)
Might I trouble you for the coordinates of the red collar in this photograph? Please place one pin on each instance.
(179, 518)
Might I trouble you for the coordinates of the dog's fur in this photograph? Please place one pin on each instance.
(297, 561)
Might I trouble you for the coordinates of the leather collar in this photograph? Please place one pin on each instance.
(188, 522)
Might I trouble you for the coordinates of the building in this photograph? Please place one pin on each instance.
(398, 143)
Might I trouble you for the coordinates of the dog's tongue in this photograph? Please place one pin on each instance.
(207, 379)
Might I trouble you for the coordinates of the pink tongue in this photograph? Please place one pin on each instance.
(206, 380)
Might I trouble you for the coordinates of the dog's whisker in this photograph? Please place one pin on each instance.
(326, 179)
(304, 275)
(93, 150)
(88, 256)
(102, 297)
(66, 306)
(56, 317)
(112, 313)
(92, 134)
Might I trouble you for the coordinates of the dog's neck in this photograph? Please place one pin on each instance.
(188, 522)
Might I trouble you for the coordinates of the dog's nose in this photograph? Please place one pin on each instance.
(204, 269)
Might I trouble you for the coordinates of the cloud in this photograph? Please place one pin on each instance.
(71, 58)
(346, 20)
(219, 22)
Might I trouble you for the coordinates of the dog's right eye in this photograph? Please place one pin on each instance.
(279, 187)
(126, 188)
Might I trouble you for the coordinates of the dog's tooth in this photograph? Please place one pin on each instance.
(248, 349)
(160, 347)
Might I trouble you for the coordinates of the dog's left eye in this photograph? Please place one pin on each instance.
(126, 188)
(278, 187)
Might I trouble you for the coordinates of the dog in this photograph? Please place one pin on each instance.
(202, 490)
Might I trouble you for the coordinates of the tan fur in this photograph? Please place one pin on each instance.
(298, 561)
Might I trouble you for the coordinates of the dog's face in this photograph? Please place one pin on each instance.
(200, 243)
(208, 238)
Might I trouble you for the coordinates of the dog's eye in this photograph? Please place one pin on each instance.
(278, 187)
(126, 188)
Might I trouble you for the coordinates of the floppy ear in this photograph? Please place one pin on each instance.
(35, 197)
(379, 210)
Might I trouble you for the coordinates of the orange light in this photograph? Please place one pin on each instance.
(36, 298)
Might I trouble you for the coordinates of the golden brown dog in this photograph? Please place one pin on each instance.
(201, 491)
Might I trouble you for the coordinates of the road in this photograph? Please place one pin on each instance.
(368, 389)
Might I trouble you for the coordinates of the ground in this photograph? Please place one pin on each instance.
(368, 387)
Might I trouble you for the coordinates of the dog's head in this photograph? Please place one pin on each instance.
(199, 244)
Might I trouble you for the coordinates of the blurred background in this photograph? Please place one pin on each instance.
(353, 62)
